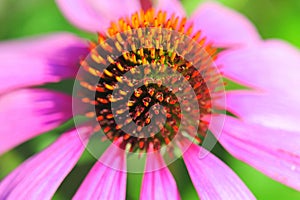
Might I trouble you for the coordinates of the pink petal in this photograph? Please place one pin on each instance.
(171, 6)
(29, 112)
(106, 182)
(146, 4)
(223, 26)
(212, 178)
(272, 66)
(96, 15)
(264, 109)
(158, 184)
(59, 44)
(40, 176)
(39, 60)
(275, 153)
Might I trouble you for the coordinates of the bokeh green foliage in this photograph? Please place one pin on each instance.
(21, 18)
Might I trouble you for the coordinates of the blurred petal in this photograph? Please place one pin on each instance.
(223, 26)
(40, 176)
(212, 178)
(272, 66)
(55, 45)
(158, 184)
(146, 4)
(106, 182)
(275, 153)
(96, 15)
(39, 60)
(29, 112)
(171, 6)
(264, 109)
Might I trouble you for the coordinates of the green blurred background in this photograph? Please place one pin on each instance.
(20, 18)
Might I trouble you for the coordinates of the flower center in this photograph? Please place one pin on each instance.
(151, 72)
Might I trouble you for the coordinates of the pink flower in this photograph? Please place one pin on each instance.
(265, 133)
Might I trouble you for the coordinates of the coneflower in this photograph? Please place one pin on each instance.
(150, 87)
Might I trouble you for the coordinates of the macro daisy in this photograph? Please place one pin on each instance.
(150, 88)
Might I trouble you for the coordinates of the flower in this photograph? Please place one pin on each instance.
(263, 134)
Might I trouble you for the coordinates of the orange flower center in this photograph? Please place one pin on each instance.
(152, 70)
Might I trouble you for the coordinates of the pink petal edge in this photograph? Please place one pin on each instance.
(212, 178)
(158, 184)
(39, 60)
(274, 152)
(96, 15)
(271, 66)
(171, 7)
(224, 27)
(40, 176)
(106, 182)
(29, 112)
(265, 109)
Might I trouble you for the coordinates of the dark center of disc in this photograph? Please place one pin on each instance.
(151, 106)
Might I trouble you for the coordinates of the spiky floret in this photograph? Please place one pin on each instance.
(157, 43)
